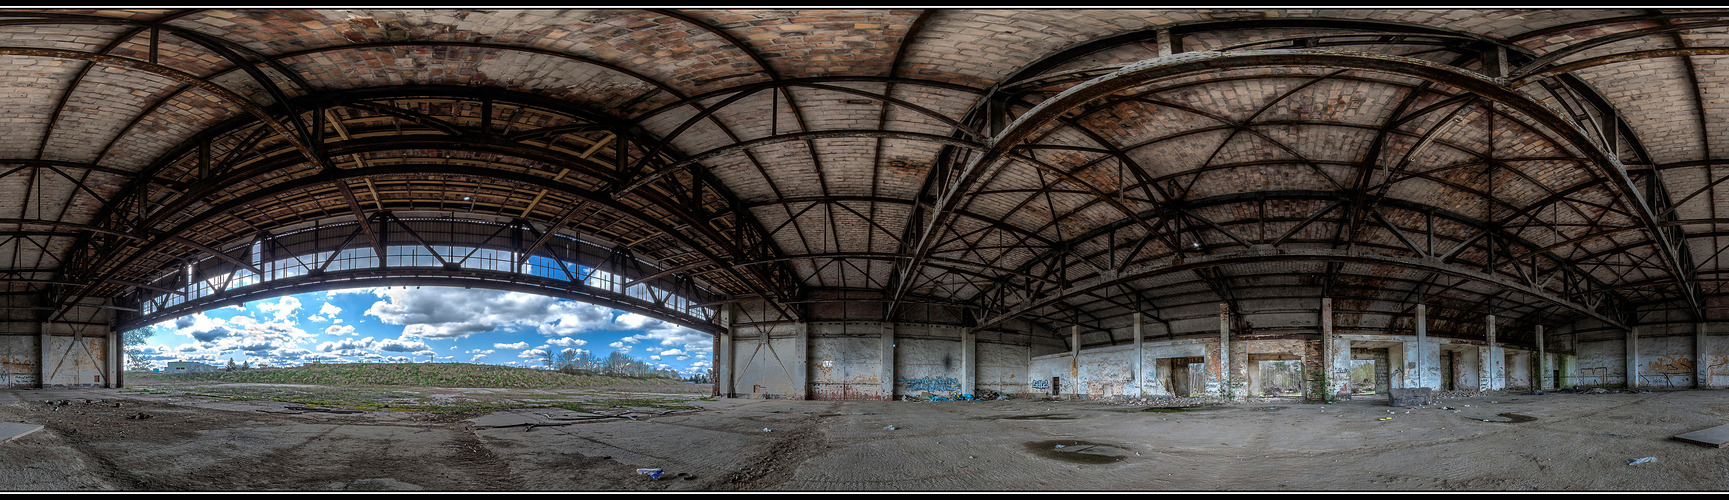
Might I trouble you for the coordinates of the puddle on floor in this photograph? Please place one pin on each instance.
(1080, 452)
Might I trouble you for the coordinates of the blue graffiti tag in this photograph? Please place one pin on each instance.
(931, 384)
(1041, 384)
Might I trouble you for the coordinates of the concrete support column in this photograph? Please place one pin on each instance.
(1423, 364)
(1337, 352)
(1165, 46)
(1633, 357)
(1541, 364)
(1074, 361)
(969, 362)
(111, 378)
(723, 355)
(1140, 357)
(800, 364)
(1221, 381)
(1701, 358)
(1411, 353)
(888, 361)
(1491, 371)
(45, 367)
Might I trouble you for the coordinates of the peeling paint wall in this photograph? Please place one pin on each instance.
(77, 361)
(773, 368)
(1106, 372)
(1666, 362)
(18, 361)
(924, 364)
(1042, 368)
(1602, 362)
(1518, 368)
(1465, 377)
(1002, 368)
(845, 367)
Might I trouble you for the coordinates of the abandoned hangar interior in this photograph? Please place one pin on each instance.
(867, 204)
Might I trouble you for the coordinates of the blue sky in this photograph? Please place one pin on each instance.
(414, 324)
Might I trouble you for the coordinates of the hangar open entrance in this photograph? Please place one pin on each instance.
(1275, 375)
(1187, 376)
(422, 251)
(1371, 369)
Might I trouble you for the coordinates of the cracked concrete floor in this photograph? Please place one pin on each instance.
(105, 439)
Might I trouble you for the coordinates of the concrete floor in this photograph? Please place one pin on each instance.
(1571, 442)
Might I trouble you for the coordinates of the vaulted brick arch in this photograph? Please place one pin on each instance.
(1010, 173)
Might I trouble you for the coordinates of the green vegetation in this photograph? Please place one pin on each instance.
(385, 387)
(408, 375)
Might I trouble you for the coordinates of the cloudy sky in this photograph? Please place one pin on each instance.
(437, 324)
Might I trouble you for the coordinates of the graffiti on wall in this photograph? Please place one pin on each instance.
(930, 384)
(1041, 384)
(1671, 365)
(1719, 365)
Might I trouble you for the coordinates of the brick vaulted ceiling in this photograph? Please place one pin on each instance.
(1060, 166)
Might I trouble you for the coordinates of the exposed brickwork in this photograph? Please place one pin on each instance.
(1652, 94)
(190, 112)
(101, 105)
(818, 42)
(33, 86)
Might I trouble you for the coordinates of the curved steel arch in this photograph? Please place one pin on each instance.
(405, 277)
(466, 142)
(1192, 63)
(298, 251)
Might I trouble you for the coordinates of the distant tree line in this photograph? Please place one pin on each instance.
(616, 364)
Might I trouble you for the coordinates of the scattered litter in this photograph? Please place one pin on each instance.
(889, 428)
(1390, 418)
(1059, 446)
(765, 429)
(1638, 461)
(651, 473)
(138, 416)
(529, 428)
(1446, 408)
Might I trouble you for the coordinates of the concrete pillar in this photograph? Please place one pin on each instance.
(1701, 358)
(969, 362)
(723, 355)
(1140, 357)
(1074, 358)
(1413, 355)
(1491, 370)
(888, 361)
(1633, 357)
(1336, 351)
(111, 378)
(1543, 362)
(1165, 45)
(800, 364)
(43, 363)
(1221, 381)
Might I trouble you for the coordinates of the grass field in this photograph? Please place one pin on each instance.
(402, 387)
(403, 374)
